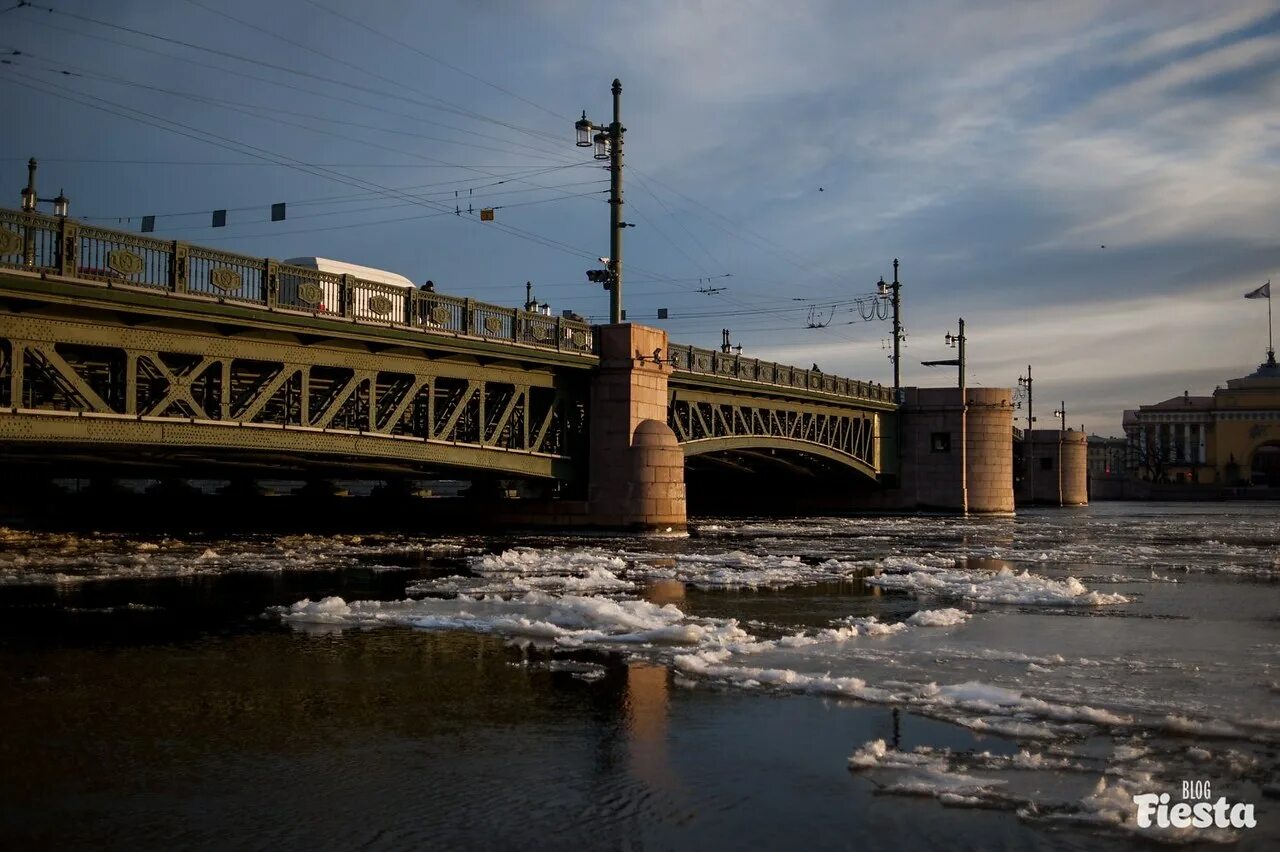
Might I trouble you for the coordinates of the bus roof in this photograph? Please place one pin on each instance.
(338, 267)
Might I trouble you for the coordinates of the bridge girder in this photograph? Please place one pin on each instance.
(67, 385)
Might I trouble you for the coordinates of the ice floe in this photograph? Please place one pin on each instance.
(1000, 587)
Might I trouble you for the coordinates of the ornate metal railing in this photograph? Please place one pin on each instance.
(57, 246)
(691, 359)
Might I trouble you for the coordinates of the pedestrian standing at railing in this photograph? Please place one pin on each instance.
(428, 309)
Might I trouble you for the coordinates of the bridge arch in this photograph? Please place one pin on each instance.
(790, 446)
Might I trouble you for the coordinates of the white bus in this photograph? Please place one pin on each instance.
(360, 306)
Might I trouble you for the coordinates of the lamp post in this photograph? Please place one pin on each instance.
(896, 301)
(957, 341)
(1025, 382)
(1061, 412)
(61, 204)
(608, 146)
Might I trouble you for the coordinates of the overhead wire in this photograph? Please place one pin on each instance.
(436, 59)
(350, 225)
(272, 116)
(347, 63)
(440, 104)
(539, 151)
(348, 212)
(211, 163)
(251, 150)
(342, 199)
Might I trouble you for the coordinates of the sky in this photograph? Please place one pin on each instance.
(1090, 185)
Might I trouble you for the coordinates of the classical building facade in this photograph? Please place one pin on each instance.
(1107, 456)
(1231, 438)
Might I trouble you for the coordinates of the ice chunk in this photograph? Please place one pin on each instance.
(1003, 586)
(938, 617)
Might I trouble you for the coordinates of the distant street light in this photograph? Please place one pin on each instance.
(608, 146)
(1061, 411)
(1025, 382)
(957, 341)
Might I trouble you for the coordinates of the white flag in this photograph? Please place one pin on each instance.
(1263, 292)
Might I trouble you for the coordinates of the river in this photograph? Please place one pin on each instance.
(862, 682)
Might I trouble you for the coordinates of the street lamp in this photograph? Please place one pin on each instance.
(894, 293)
(957, 342)
(1061, 411)
(607, 142)
(1025, 382)
(61, 204)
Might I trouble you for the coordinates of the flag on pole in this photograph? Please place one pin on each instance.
(1263, 292)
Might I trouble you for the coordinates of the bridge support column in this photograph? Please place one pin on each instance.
(1059, 468)
(636, 476)
(931, 459)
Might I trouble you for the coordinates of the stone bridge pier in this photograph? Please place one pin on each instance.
(635, 464)
(935, 429)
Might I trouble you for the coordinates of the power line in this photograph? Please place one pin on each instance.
(542, 152)
(298, 165)
(108, 162)
(350, 198)
(738, 229)
(260, 29)
(273, 111)
(350, 225)
(416, 202)
(255, 112)
(441, 104)
(438, 60)
(272, 117)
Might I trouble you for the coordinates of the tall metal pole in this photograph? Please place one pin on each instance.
(964, 429)
(1271, 349)
(897, 329)
(29, 206)
(1062, 439)
(29, 194)
(1027, 444)
(615, 205)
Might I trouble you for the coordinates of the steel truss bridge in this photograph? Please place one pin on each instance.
(117, 348)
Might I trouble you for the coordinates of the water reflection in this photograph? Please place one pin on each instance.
(665, 592)
(646, 713)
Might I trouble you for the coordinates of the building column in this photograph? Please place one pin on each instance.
(1186, 444)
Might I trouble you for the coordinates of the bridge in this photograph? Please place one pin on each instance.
(119, 349)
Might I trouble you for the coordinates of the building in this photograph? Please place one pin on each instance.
(1106, 456)
(1231, 438)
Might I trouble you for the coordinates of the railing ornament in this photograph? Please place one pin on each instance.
(310, 293)
(225, 279)
(10, 242)
(124, 262)
(380, 305)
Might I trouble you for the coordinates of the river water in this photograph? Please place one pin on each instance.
(866, 682)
